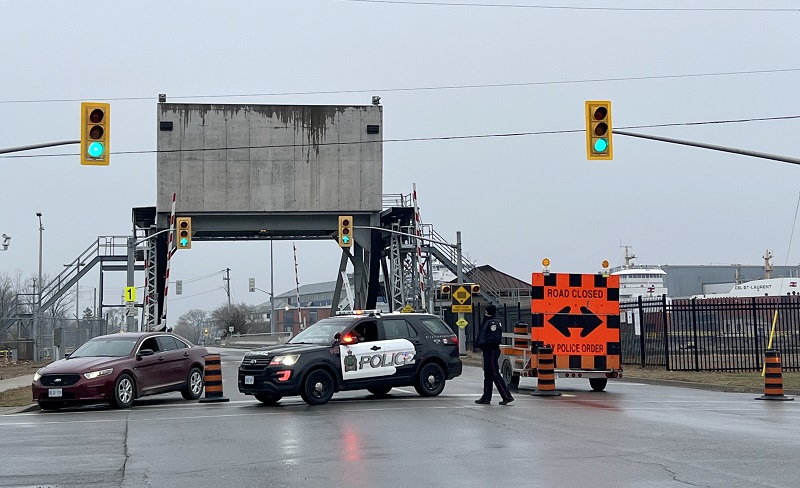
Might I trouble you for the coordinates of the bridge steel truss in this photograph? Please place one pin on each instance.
(373, 251)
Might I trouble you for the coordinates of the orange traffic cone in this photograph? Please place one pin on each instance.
(546, 376)
(773, 377)
(213, 380)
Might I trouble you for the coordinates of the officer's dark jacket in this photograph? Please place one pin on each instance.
(489, 339)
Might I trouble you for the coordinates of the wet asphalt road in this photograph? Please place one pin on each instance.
(631, 435)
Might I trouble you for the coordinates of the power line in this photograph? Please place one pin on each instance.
(565, 7)
(172, 299)
(420, 139)
(425, 88)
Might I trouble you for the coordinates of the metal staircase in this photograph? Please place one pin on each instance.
(103, 249)
(404, 276)
(448, 257)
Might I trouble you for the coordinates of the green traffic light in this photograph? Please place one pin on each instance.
(96, 149)
(184, 242)
(600, 145)
(346, 239)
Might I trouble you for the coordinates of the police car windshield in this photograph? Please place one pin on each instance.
(322, 332)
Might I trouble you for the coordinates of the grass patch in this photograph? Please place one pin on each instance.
(750, 379)
(22, 368)
(17, 397)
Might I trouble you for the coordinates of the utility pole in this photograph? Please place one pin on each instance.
(227, 280)
(271, 290)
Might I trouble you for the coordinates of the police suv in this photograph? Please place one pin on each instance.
(356, 351)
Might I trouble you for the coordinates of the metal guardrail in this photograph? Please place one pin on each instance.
(258, 340)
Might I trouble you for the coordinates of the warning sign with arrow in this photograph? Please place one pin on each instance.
(577, 314)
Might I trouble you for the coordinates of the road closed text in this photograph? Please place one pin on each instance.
(597, 294)
(580, 349)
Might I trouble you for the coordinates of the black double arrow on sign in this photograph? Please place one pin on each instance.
(586, 321)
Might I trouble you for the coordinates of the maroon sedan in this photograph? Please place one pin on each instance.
(119, 368)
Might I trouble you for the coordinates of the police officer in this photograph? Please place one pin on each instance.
(489, 337)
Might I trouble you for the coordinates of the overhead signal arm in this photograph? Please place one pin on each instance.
(713, 147)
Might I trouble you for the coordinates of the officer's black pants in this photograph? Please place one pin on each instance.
(491, 375)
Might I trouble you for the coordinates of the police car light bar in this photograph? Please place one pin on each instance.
(358, 312)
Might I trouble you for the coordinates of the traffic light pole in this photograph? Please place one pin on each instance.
(130, 320)
(713, 147)
(37, 146)
(462, 337)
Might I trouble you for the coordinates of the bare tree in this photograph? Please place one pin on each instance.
(191, 324)
(234, 316)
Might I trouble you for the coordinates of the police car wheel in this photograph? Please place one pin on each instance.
(430, 381)
(268, 399)
(317, 388)
(598, 384)
(380, 391)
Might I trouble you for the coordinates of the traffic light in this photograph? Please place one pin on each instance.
(95, 118)
(205, 331)
(598, 130)
(446, 291)
(184, 232)
(475, 289)
(251, 285)
(178, 287)
(346, 230)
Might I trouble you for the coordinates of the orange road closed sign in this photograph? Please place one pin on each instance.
(577, 314)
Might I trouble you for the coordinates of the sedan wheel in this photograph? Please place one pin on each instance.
(124, 392)
(194, 385)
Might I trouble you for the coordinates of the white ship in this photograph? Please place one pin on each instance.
(772, 287)
(765, 287)
(639, 280)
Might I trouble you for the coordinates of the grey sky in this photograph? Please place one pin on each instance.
(516, 199)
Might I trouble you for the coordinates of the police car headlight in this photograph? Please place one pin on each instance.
(284, 360)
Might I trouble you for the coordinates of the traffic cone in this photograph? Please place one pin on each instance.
(773, 377)
(546, 376)
(212, 378)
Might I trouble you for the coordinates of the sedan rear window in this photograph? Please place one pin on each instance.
(437, 327)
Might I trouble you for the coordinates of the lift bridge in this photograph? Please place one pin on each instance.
(406, 263)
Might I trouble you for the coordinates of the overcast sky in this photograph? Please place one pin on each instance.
(515, 199)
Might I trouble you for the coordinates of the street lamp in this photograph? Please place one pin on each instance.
(39, 288)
